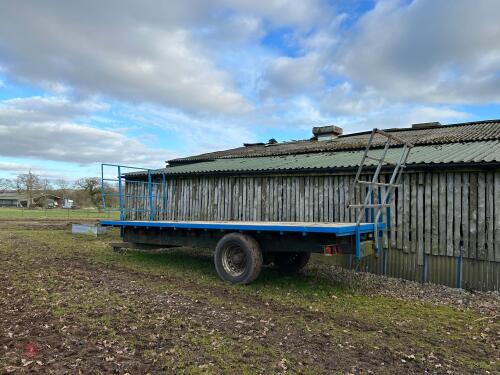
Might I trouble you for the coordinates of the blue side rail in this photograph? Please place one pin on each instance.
(113, 189)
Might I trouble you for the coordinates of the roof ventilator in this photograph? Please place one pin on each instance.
(427, 125)
(326, 133)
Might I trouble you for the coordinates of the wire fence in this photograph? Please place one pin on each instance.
(61, 213)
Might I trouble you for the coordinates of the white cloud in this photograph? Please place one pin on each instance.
(238, 29)
(42, 128)
(14, 167)
(288, 77)
(197, 135)
(41, 109)
(444, 51)
(399, 64)
(399, 115)
(304, 13)
(346, 100)
(167, 53)
(11, 170)
(201, 72)
(74, 143)
(120, 50)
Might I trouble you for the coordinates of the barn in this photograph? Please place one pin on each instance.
(16, 199)
(444, 218)
(10, 199)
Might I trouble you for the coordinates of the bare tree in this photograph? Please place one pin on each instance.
(28, 183)
(62, 187)
(92, 188)
(44, 188)
(6, 184)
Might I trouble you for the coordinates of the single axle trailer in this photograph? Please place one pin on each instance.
(241, 248)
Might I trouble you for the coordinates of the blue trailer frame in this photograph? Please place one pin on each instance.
(340, 229)
(337, 229)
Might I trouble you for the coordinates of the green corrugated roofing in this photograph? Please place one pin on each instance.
(470, 152)
(479, 131)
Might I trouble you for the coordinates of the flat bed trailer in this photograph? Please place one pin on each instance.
(339, 229)
(241, 247)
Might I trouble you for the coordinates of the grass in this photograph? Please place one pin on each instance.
(425, 327)
(170, 312)
(7, 213)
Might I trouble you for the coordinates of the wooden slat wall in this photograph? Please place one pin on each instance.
(433, 213)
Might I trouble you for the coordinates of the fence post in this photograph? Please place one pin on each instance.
(164, 191)
(423, 277)
(122, 216)
(460, 265)
(385, 261)
(103, 195)
(150, 192)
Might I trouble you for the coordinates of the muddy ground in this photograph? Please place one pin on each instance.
(70, 305)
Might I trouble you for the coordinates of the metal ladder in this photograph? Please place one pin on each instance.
(376, 208)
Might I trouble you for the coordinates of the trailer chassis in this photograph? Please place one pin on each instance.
(242, 247)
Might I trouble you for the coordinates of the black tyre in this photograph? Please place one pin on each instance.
(238, 258)
(291, 262)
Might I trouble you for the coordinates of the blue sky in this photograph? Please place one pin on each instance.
(139, 83)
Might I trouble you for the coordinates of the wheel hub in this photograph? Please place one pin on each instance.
(234, 260)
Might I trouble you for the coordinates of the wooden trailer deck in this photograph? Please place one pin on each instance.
(339, 228)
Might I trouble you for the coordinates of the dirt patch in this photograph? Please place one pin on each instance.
(61, 345)
(35, 225)
(160, 321)
(89, 316)
(48, 220)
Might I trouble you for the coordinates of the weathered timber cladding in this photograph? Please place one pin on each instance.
(279, 198)
(434, 213)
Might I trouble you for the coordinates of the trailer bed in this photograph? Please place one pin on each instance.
(337, 228)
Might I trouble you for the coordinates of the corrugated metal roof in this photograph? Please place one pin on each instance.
(23, 196)
(465, 132)
(12, 195)
(470, 152)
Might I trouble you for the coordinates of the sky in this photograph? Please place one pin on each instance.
(141, 82)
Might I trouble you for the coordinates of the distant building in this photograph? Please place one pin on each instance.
(68, 203)
(11, 199)
(16, 199)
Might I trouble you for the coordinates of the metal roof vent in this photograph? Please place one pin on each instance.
(426, 125)
(253, 144)
(326, 133)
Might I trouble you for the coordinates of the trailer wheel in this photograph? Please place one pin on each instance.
(238, 258)
(290, 261)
